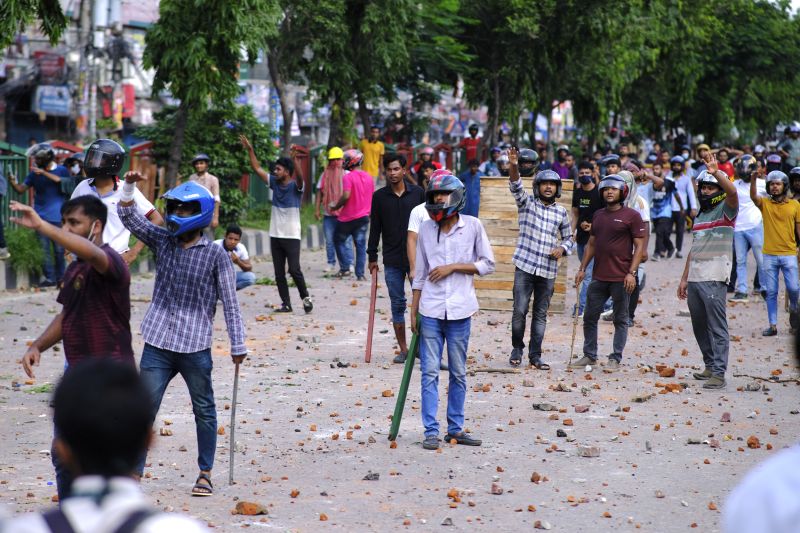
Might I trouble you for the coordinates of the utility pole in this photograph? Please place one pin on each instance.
(84, 38)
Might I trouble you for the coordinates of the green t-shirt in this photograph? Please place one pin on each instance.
(712, 247)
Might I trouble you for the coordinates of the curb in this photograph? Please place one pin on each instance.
(256, 241)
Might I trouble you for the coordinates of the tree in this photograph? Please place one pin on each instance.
(215, 131)
(196, 47)
(15, 15)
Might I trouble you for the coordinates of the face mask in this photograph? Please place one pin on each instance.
(75, 168)
(585, 179)
(685, 155)
(91, 231)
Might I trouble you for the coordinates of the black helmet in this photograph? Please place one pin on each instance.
(777, 175)
(103, 158)
(794, 177)
(547, 175)
(745, 167)
(77, 157)
(530, 158)
(42, 154)
(201, 157)
(709, 201)
(473, 127)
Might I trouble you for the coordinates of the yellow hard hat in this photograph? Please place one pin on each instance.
(335, 153)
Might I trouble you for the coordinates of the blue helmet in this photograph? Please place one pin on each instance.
(201, 201)
(455, 202)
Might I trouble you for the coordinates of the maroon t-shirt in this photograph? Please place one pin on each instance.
(613, 233)
(97, 310)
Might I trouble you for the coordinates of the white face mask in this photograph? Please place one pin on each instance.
(75, 168)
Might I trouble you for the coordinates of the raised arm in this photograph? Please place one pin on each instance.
(731, 196)
(135, 222)
(754, 191)
(263, 174)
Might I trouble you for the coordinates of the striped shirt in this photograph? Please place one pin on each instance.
(541, 228)
(712, 246)
(188, 284)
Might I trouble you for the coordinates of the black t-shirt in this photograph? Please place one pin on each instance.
(587, 203)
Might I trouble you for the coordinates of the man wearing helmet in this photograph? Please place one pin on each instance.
(451, 249)
(425, 155)
(471, 144)
(103, 163)
(683, 197)
(45, 178)
(616, 244)
(192, 274)
(329, 189)
(749, 231)
(708, 265)
(489, 167)
(545, 236)
(201, 162)
(781, 225)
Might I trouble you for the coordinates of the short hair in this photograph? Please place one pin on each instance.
(391, 158)
(585, 165)
(473, 163)
(102, 411)
(286, 163)
(233, 228)
(92, 207)
(375, 127)
(427, 164)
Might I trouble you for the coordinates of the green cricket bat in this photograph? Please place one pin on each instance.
(403, 392)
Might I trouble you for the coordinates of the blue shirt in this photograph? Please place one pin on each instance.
(472, 182)
(284, 222)
(660, 199)
(48, 198)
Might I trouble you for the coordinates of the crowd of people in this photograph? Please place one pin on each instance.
(424, 224)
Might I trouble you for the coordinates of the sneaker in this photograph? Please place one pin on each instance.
(670, 254)
(740, 297)
(770, 331)
(582, 362)
(656, 258)
(678, 255)
(794, 320)
(463, 438)
(704, 375)
(400, 358)
(330, 268)
(308, 305)
(608, 316)
(431, 443)
(283, 309)
(715, 382)
(612, 364)
(4, 254)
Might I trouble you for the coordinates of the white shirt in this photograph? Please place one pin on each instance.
(766, 501)
(115, 234)
(239, 250)
(418, 215)
(749, 216)
(685, 188)
(86, 515)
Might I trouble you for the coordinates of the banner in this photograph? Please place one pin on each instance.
(53, 100)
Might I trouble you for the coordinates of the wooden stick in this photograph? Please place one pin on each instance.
(771, 380)
(373, 295)
(496, 370)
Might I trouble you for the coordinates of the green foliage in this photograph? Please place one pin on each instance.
(215, 131)
(26, 252)
(15, 15)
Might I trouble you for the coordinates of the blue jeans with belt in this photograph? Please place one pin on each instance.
(158, 367)
(773, 266)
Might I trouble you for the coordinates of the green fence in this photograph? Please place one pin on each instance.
(257, 192)
(13, 162)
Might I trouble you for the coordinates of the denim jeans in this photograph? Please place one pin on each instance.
(244, 279)
(586, 280)
(433, 334)
(158, 367)
(773, 265)
(598, 292)
(357, 229)
(53, 270)
(707, 307)
(526, 284)
(329, 228)
(744, 241)
(396, 285)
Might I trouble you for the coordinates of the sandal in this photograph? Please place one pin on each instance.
(516, 357)
(539, 364)
(201, 489)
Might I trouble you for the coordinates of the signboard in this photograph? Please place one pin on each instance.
(51, 66)
(53, 100)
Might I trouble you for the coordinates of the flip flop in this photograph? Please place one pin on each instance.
(540, 365)
(201, 489)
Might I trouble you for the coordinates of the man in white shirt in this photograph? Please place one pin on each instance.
(103, 425)
(103, 162)
(238, 253)
(748, 234)
(683, 199)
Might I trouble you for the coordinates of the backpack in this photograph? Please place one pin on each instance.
(58, 522)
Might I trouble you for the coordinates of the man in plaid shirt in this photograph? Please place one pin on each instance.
(545, 235)
(191, 275)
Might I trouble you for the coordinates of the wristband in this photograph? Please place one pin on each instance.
(127, 191)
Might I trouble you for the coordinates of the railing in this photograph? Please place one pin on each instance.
(18, 165)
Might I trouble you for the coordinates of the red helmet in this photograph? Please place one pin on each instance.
(352, 158)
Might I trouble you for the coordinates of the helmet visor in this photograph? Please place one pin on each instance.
(97, 159)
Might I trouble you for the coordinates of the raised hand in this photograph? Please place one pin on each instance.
(513, 155)
(28, 217)
(245, 141)
(134, 176)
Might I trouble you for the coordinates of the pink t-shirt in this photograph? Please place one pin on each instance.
(361, 187)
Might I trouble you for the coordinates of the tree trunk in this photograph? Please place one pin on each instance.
(335, 134)
(286, 111)
(175, 149)
(495, 114)
(363, 113)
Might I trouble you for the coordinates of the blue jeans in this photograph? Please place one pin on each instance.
(743, 241)
(158, 367)
(329, 228)
(396, 285)
(244, 279)
(357, 229)
(433, 333)
(53, 270)
(773, 265)
(586, 280)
